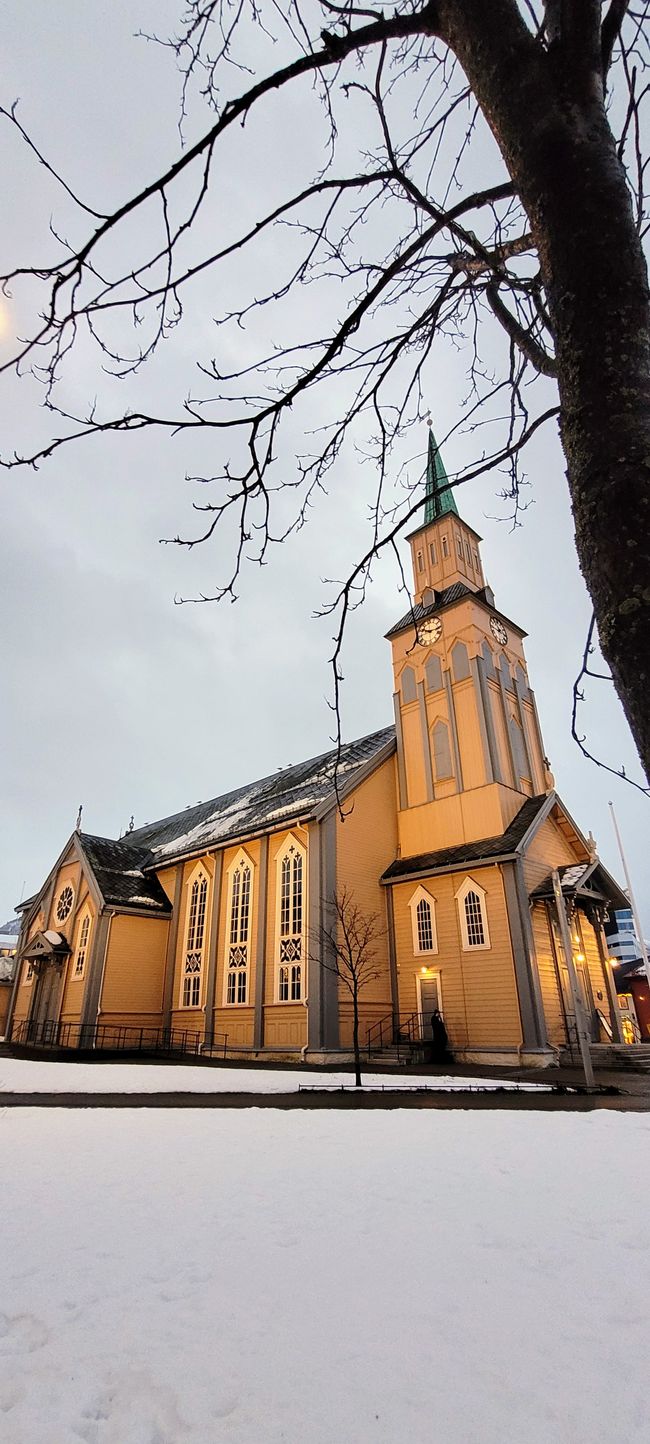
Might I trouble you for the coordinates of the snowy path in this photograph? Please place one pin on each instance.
(322, 1278)
(24, 1075)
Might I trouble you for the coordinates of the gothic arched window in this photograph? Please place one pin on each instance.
(423, 922)
(441, 752)
(82, 946)
(238, 946)
(194, 941)
(291, 928)
(472, 912)
(409, 690)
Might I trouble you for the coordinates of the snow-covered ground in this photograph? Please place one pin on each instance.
(367, 1278)
(22, 1075)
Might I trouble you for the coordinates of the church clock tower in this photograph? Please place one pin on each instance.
(469, 746)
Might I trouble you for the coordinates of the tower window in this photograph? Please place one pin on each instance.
(476, 560)
(441, 751)
(420, 560)
(432, 553)
(459, 546)
(468, 553)
(445, 547)
(409, 691)
(433, 674)
(460, 661)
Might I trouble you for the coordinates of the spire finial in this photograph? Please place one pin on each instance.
(77, 826)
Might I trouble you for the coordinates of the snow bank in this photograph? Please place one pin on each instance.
(24, 1075)
(258, 1277)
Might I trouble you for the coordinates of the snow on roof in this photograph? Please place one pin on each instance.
(294, 791)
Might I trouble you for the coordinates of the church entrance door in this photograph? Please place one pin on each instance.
(45, 1010)
(429, 999)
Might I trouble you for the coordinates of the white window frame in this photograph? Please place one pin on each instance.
(290, 971)
(469, 885)
(419, 896)
(82, 945)
(195, 953)
(238, 950)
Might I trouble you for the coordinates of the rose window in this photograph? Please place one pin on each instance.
(64, 904)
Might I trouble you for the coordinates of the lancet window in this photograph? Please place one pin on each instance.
(195, 941)
(423, 922)
(291, 959)
(473, 915)
(239, 931)
(82, 946)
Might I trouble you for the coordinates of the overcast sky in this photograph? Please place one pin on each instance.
(117, 698)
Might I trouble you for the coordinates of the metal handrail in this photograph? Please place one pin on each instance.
(393, 1030)
(112, 1037)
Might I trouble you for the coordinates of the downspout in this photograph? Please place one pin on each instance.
(111, 915)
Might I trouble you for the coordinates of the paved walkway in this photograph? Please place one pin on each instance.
(346, 1099)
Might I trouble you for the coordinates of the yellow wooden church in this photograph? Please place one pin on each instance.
(208, 922)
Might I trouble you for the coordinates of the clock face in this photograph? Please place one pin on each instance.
(430, 630)
(498, 631)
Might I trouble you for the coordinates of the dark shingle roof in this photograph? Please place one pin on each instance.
(455, 593)
(484, 850)
(117, 866)
(275, 800)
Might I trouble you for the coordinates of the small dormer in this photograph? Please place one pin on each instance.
(444, 549)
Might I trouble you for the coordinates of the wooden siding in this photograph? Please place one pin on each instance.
(549, 848)
(366, 843)
(551, 995)
(479, 990)
(135, 969)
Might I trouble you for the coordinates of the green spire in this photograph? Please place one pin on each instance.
(440, 497)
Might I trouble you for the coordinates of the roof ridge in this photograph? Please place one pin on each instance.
(261, 784)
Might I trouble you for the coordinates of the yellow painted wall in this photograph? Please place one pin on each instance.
(549, 848)
(73, 989)
(132, 989)
(594, 968)
(479, 992)
(70, 872)
(550, 988)
(5, 995)
(366, 843)
(23, 1000)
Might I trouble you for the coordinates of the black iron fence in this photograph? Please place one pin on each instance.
(115, 1038)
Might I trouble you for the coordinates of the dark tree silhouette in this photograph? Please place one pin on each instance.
(347, 947)
(481, 177)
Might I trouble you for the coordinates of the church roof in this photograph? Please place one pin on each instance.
(118, 871)
(584, 879)
(482, 852)
(281, 798)
(455, 593)
(440, 497)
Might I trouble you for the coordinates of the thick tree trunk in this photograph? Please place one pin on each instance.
(548, 115)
